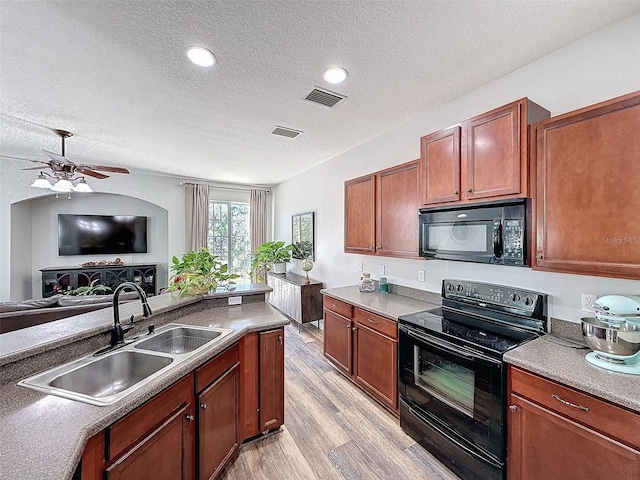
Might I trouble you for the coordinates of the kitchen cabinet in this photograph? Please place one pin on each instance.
(262, 382)
(556, 432)
(484, 158)
(293, 296)
(156, 440)
(381, 212)
(363, 346)
(218, 399)
(588, 190)
(271, 379)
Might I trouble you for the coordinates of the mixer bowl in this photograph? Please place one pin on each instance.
(621, 340)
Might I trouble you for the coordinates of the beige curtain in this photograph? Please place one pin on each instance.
(196, 215)
(258, 211)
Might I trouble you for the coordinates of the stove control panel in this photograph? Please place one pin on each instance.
(500, 297)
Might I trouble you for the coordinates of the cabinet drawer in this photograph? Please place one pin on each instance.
(215, 367)
(611, 420)
(338, 306)
(376, 322)
(144, 419)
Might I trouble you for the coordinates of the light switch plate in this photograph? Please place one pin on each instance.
(381, 269)
(360, 266)
(235, 300)
(421, 275)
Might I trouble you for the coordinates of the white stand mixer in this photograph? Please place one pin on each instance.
(614, 334)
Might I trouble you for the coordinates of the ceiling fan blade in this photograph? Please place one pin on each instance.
(91, 173)
(57, 158)
(105, 168)
(34, 168)
(9, 157)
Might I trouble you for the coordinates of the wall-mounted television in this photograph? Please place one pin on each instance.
(101, 234)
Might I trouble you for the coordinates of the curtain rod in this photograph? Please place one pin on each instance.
(224, 187)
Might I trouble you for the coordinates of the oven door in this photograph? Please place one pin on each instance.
(459, 390)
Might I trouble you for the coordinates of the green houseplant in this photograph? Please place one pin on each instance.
(198, 273)
(91, 289)
(268, 255)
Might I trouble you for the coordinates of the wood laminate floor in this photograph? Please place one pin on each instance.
(332, 430)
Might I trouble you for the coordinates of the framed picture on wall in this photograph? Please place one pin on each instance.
(303, 236)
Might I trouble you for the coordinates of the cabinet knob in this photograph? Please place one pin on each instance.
(354, 329)
(379, 247)
(371, 248)
(280, 339)
(539, 256)
(513, 408)
(348, 325)
(455, 192)
(191, 418)
(204, 406)
(468, 190)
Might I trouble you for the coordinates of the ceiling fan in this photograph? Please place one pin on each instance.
(65, 171)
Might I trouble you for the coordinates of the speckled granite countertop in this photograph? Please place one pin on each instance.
(43, 436)
(388, 305)
(550, 357)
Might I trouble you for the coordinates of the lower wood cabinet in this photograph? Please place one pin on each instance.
(194, 428)
(556, 432)
(363, 346)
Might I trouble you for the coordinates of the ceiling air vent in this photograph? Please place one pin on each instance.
(285, 132)
(324, 97)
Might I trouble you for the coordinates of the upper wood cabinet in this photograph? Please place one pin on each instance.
(483, 158)
(588, 190)
(381, 212)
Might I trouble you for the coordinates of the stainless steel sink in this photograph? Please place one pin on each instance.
(180, 340)
(103, 380)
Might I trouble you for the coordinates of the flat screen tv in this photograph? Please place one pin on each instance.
(101, 234)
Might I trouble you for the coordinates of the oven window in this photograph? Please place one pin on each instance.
(447, 381)
(467, 237)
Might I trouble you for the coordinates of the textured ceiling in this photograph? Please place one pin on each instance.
(116, 75)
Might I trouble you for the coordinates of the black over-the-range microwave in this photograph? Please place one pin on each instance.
(492, 232)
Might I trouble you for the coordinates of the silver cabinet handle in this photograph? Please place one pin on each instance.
(468, 190)
(280, 339)
(539, 256)
(579, 407)
(348, 325)
(354, 329)
(335, 306)
(204, 406)
(372, 321)
(455, 192)
(191, 418)
(513, 408)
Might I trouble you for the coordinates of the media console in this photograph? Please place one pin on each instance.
(59, 279)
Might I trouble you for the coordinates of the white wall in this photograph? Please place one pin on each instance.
(604, 65)
(165, 192)
(44, 228)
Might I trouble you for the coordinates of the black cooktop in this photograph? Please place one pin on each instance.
(456, 327)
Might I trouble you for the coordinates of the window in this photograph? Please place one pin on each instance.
(229, 237)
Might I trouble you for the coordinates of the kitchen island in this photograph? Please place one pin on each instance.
(44, 436)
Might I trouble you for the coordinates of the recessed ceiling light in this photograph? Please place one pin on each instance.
(201, 56)
(335, 74)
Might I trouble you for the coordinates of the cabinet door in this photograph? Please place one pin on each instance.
(375, 364)
(588, 185)
(337, 340)
(397, 203)
(249, 386)
(271, 379)
(494, 159)
(359, 215)
(165, 453)
(545, 445)
(218, 426)
(440, 167)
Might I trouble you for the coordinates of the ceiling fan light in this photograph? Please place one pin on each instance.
(62, 185)
(41, 182)
(201, 56)
(82, 186)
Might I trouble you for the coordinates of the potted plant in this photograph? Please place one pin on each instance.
(271, 255)
(198, 273)
(91, 289)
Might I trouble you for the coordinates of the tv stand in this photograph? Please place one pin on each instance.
(60, 279)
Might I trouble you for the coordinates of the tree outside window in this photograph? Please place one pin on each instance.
(229, 236)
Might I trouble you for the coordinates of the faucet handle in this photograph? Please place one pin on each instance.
(131, 326)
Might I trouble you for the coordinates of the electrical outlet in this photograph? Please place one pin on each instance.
(588, 302)
(235, 300)
(381, 269)
(421, 275)
(359, 266)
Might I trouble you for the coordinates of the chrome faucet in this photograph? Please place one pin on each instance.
(117, 334)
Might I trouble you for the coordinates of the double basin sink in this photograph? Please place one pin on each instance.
(105, 379)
